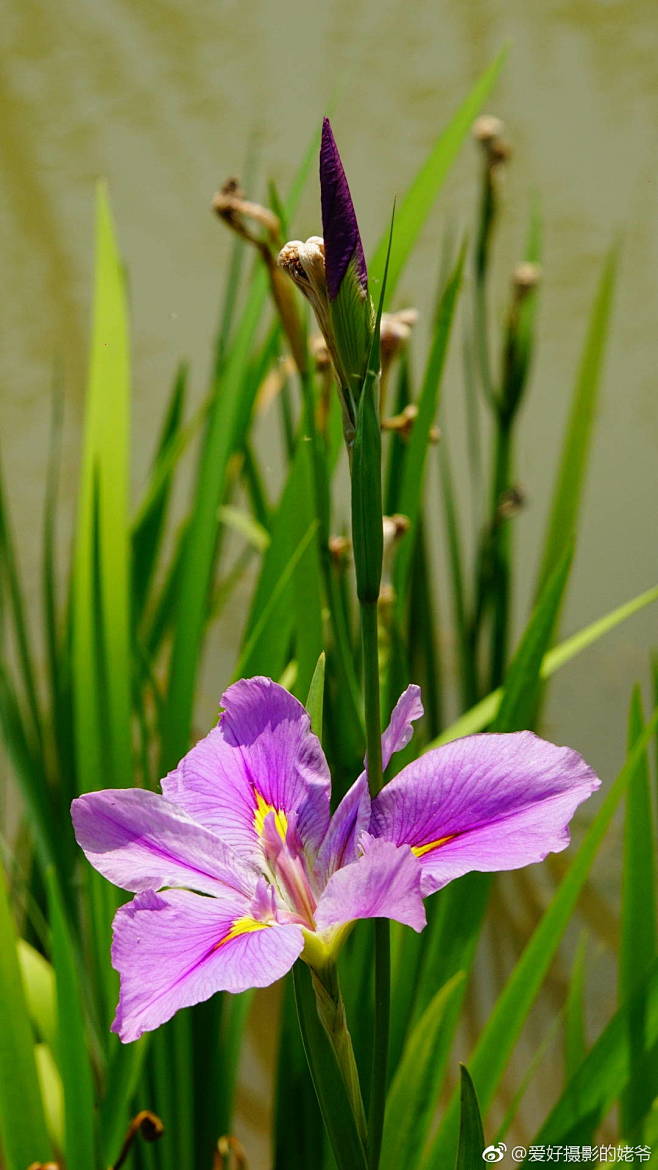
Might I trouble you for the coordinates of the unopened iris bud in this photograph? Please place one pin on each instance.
(347, 276)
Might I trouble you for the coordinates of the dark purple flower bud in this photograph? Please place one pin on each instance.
(342, 241)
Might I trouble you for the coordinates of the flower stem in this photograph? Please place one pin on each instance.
(369, 641)
(379, 1077)
(382, 956)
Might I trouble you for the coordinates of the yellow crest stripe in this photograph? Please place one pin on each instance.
(262, 810)
(240, 926)
(419, 850)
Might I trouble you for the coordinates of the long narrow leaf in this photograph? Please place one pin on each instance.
(606, 1071)
(23, 1134)
(471, 1134)
(453, 931)
(484, 712)
(257, 655)
(570, 482)
(72, 1051)
(9, 577)
(522, 681)
(148, 532)
(506, 1020)
(575, 1041)
(411, 487)
(101, 607)
(415, 206)
(412, 1097)
(40, 992)
(328, 1083)
(638, 926)
(227, 419)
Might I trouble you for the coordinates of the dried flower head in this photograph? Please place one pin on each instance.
(395, 332)
(231, 205)
(488, 131)
(526, 276)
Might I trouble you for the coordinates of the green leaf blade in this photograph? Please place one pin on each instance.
(23, 1133)
(416, 205)
(471, 1133)
(72, 1051)
(506, 1020)
(638, 928)
(410, 494)
(570, 480)
(101, 588)
(413, 1094)
(332, 1097)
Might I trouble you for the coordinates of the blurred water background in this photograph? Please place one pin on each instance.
(166, 100)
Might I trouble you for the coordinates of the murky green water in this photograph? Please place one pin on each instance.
(163, 98)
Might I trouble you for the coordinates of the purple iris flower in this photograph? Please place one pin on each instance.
(239, 868)
(342, 241)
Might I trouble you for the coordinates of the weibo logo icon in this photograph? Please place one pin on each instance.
(494, 1153)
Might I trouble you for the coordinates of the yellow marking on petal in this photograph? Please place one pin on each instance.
(419, 850)
(241, 926)
(262, 810)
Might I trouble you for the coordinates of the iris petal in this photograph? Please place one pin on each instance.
(384, 882)
(486, 802)
(262, 756)
(175, 949)
(140, 841)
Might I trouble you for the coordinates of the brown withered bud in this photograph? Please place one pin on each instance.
(403, 422)
(394, 528)
(511, 502)
(488, 131)
(340, 549)
(273, 383)
(261, 227)
(395, 332)
(487, 128)
(304, 263)
(230, 1154)
(526, 276)
(435, 435)
(320, 353)
(44, 1166)
(147, 1125)
(231, 205)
